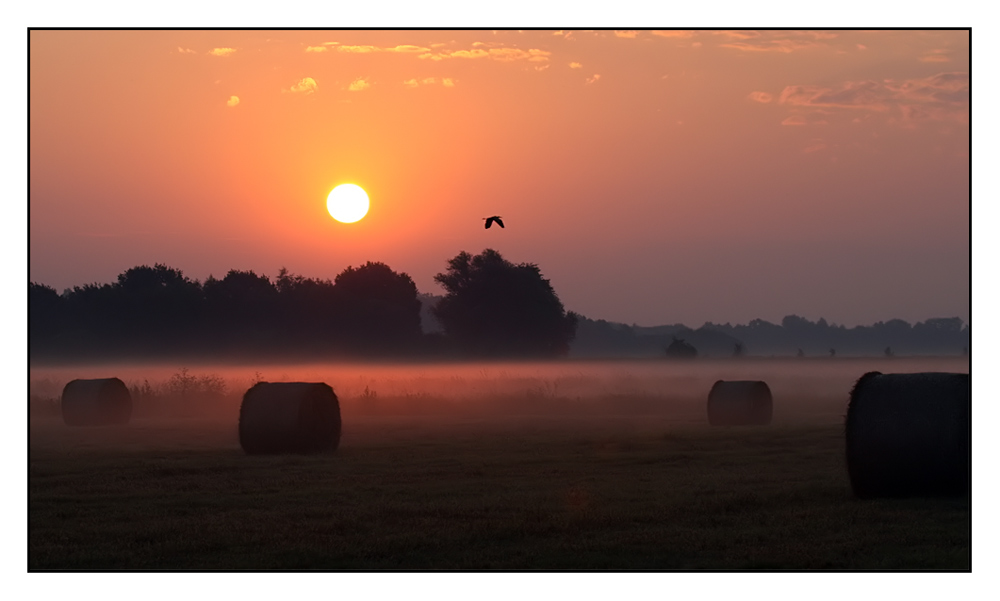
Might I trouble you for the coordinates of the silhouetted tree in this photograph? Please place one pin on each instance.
(495, 307)
(240, 311)
(155, 307)
(738, 349)
(377, 308)
(92, 318)
(46, 317)
(307, 312)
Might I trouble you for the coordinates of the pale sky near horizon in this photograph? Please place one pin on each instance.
(654, 176)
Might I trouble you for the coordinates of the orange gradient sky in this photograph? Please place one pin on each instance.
(654, 176)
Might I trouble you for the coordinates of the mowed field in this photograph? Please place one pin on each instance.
(568, 466)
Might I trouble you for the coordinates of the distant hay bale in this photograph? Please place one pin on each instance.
(101, 402)
(289, 417)
(908, 435)
(740, 403)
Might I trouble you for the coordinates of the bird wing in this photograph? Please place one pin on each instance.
(497, 219)
(489, 222)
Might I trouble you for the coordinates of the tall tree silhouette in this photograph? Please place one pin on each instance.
(494, 307)
(377, 309)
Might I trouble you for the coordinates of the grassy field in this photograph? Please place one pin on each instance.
(611, 491)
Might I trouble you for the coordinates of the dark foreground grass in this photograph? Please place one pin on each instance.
(445, 494)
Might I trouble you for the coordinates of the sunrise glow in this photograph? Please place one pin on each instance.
(648, 173)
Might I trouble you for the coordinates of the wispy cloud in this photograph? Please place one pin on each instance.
(940, 97)
(776, 41)
(594, 78)
(502, 54)
(738, 35)
(427, 81)
(626, 34)
(359, 84)
(575, 66)
(940, 55)
(762, 97)
(306, 85)
(358, 49)
(867, 95)
(222, 51)
(186, 50)
(674, 33)
(367, 49)
(233, 101)
(952, 88)
(785, 46)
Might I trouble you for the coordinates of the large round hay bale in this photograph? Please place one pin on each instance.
(908, 435)
(100, 402)
(289, 417)
(740, 403)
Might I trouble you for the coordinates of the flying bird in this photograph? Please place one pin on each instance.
(490, 220)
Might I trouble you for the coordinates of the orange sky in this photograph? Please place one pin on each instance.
(655, 177)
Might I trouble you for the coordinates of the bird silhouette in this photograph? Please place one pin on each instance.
(490, 220)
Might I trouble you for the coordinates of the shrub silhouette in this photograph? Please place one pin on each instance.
(679, 349)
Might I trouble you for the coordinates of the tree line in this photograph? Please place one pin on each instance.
(492, 307)
(794, 336)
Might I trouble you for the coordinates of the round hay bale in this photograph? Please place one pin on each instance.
(740, 403)
(100, 402)
(289, 417)
(908, 435)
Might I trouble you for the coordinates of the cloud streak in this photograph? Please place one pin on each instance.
(785, 46)
(674, 33)
(501, 54)
(222, 51)
(427, 81)
(940, 97)
(306, 85)
(358, 85)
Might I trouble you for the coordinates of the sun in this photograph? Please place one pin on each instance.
(347, 203)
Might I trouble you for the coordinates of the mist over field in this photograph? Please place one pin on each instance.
(803, 389)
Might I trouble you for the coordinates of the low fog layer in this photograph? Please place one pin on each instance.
(804, 389)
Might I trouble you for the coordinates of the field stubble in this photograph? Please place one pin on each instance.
(529, 480)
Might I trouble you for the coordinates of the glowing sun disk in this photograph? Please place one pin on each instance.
(347, 203)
